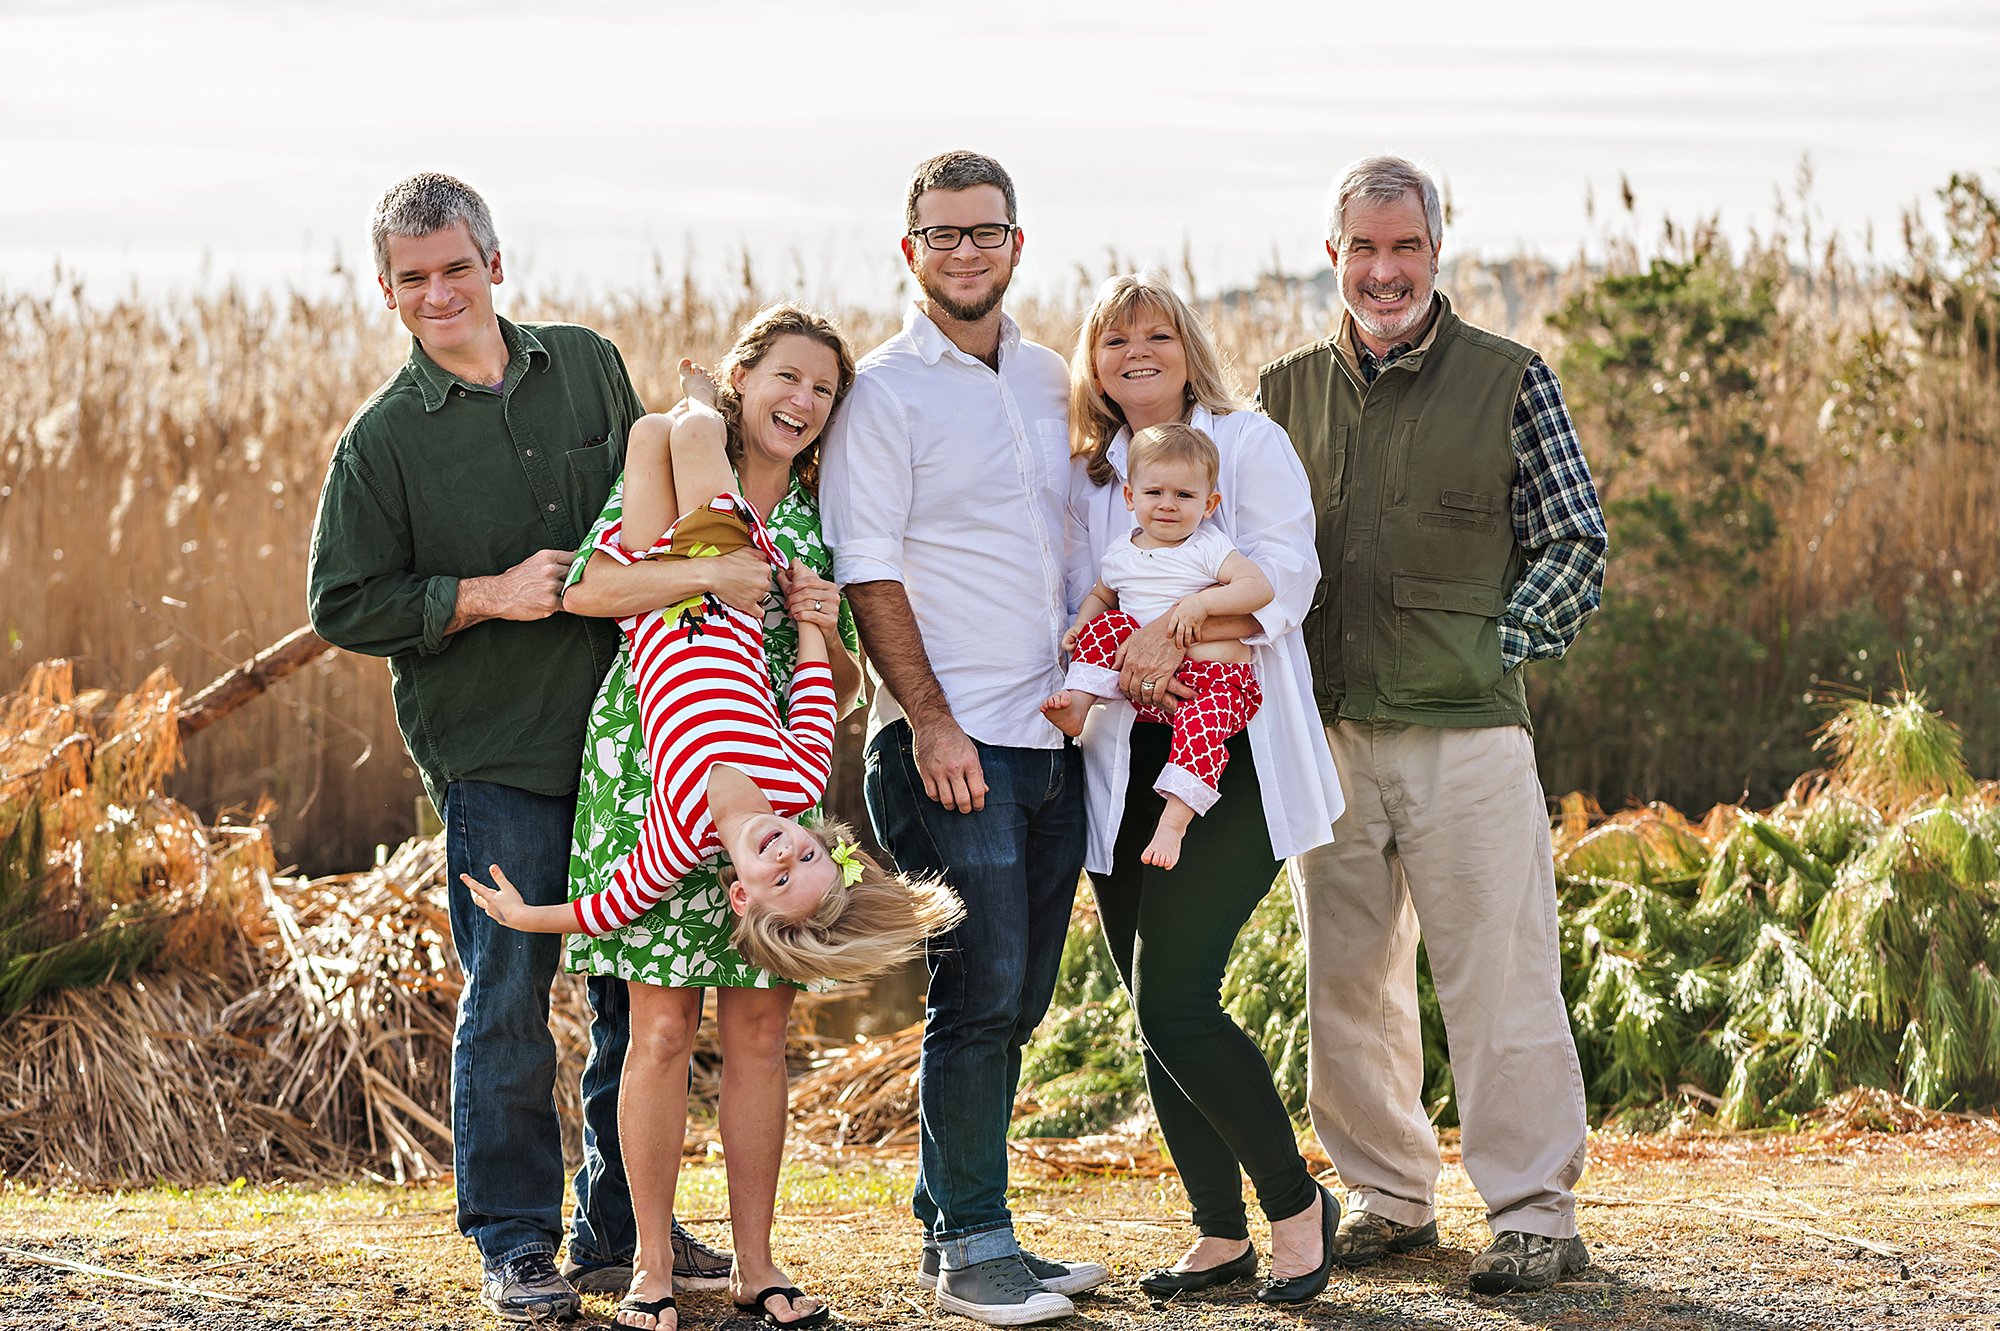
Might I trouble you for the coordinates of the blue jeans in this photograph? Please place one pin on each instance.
(1015, 865)
(506, 1140)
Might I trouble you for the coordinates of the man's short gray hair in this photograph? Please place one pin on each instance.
(430, 201)
(1383, 180)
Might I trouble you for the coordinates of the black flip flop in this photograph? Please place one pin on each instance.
(792, 1294)
(632, 1303)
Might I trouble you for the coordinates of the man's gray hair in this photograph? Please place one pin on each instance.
(956, 171)
(1383, 180)
(429, 201)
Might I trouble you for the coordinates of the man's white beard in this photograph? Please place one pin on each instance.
(1411, 320)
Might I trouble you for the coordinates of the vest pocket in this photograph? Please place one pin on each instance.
(1447, 640)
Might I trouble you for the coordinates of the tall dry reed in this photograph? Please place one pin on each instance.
(160, 462)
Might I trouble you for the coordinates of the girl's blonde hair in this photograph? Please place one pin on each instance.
(865, 928)
(1094, 419)
(753, 342)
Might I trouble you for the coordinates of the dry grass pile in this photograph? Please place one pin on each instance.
(178, 1011)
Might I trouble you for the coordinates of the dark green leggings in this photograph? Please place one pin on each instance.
(1171, 932)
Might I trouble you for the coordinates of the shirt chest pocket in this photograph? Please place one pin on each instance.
(1049, 444)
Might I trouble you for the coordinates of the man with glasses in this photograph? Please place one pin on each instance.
(944, 487)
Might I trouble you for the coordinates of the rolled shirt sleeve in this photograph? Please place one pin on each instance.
(1557, 521)
(360, 592)
(866, 485)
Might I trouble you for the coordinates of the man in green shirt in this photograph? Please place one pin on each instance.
(451, 508)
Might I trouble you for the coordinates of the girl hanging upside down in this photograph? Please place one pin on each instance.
(729, 776)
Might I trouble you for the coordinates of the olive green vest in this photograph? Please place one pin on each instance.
(1411, 478)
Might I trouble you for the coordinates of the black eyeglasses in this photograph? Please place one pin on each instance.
(985, 236)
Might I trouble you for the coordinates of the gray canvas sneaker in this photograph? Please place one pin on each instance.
(1000, 1292)
(1517, 1263)
(1056, 1277)
(1364, 1237)
(528, 1289)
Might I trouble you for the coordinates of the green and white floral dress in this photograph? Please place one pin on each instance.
(683, 942)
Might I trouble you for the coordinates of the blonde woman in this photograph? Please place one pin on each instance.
(1144, 359)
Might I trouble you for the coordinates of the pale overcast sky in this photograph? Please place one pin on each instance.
(179, 143)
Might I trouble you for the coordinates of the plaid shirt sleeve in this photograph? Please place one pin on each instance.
(1558, 522)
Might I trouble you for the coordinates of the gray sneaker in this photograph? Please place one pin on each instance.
(1364, 1237)
(1056, 1277)
(1517, 1263)
(528, 1289)
(1000, 1292)
(696, 1265)
(612, 1277)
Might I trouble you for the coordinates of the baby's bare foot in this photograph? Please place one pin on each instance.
(697, 384)
(1066, 711)
(1164, 850)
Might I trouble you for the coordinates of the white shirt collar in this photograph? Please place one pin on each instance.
(932, 344)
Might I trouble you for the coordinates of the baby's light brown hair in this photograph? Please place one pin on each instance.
(1172, 442)
(858, 930)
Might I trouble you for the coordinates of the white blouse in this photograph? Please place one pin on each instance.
(1266, 512)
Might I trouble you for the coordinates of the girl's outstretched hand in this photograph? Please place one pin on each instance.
(502, 902)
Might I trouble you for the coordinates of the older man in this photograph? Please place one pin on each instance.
(451, 507)
(1461, 538)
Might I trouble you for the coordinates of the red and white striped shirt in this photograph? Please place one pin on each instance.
(705, 698)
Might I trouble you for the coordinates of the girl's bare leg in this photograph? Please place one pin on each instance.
(652, 1126)
(752, 1116)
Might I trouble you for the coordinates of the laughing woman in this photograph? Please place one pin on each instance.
(776, 389)
(1143, 359)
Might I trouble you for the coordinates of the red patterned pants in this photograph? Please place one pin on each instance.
(1226, 696)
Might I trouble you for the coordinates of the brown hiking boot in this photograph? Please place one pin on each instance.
(1364, 1237)
(1517, 1263)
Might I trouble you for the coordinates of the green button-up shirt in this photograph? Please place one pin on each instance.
(435, 480)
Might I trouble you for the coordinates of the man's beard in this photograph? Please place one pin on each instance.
(959, 310)
(1411, 320)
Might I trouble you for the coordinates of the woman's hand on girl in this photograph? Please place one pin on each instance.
(811, 599)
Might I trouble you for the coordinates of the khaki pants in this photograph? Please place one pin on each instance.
(1446, 829)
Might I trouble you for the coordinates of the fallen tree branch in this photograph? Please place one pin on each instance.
(107, 1273)
(299, 648)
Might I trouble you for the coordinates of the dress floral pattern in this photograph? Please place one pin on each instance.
(683, 942)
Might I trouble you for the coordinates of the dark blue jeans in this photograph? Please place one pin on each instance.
(1015, 864)
(506, 1140)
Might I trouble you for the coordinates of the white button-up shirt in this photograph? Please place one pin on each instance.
(952, 479)
(1267, 514)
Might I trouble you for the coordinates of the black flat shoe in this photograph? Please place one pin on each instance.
(1301, 1289)
(1166, 1284)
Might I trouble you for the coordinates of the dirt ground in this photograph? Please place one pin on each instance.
(1824, 1231)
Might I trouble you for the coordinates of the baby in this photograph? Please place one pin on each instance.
(1174, 566)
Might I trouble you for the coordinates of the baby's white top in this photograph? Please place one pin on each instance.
(1148, 582)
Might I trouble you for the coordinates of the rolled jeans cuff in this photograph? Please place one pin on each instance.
(1094, 679)
(981, 1245)
(515, 1254)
